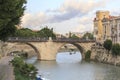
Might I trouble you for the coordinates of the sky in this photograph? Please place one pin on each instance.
(66, 16)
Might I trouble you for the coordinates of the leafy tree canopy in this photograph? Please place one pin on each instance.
(46, 32)
(10, 14)
(43, 33)
(74, 37)
(88, 35)
(25, 32)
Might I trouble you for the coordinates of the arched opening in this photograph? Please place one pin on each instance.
(70, 53)
(26, 48)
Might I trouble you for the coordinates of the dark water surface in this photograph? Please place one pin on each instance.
(70, 67)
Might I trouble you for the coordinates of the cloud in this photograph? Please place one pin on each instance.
(115, 12)
(67, 12)
(74, 8)
(34, 20)
(83, 28)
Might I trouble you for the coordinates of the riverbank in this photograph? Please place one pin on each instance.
(99, 54)
(6, 70)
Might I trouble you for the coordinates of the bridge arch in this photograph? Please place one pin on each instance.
(13, 47)
(78, 46)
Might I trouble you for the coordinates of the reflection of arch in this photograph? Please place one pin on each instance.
(29, 44)
(80, 48)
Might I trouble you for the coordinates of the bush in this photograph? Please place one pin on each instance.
(22, 70)
(108, 44)
(116, 49)
(88, 55)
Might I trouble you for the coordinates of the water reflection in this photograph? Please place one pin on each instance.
(70, 67)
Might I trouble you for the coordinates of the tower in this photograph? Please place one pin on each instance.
(98, 27)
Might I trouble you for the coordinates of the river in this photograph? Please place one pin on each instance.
(71, 67)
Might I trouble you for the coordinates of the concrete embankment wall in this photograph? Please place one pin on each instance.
(101, 55)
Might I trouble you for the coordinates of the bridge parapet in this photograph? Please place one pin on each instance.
(27, 39)
(72, 40)
(38, 39)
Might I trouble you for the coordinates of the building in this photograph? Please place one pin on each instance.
(98, 27)
(111, 28)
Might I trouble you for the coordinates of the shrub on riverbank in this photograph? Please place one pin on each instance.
(22, 70)
(88, 55)
(107, 45)
(116, 49)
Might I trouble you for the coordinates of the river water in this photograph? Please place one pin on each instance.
(71, 67)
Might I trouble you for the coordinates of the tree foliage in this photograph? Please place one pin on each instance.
(22, 70)
(25, 32)
(116, 49)
(88, 35)
(10, 14)
(74, 37)
(43, 33)
(46, 32)
(107, 44)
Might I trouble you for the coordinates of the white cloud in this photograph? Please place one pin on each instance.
(83, 28)
(69, 10)
(75, 8)
(34, 20)
(115, 12)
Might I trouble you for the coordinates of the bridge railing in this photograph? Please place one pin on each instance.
(27, 39)
(72, 40)
(38, 39)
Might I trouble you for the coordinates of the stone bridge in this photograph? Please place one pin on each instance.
(47, 49)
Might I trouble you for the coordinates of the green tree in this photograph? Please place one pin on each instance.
(74, 37)
(107, 44)
(25, 32)
(10, 14)
(88, 35)
(46, 32)
(116, 49)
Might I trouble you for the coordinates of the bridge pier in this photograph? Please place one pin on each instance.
(48, 50)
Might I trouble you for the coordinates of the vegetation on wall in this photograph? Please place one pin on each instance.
(116, 49)
(107, 44)
(88, 55)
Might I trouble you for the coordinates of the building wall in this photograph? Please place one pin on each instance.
(111, 29)
(98, 23)
(118, 29)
